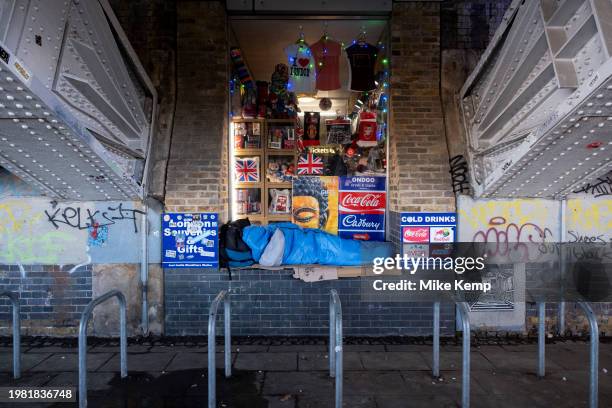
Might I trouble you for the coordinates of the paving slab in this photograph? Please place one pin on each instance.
(31, 379)
(570, 359)
(195, 361)
(374, 383)
(266, 361)
(576, 382)
(327, 401)
(95, 381)
(115, 348)
(423, 384)
(393, 360)
(317, 361)
(297, 348)
(298, 383)
(247, 348)
(510, 383)
(70, 362)
(27, 361)
(52, 349)
(431, 401)
(138, 362)
(520, 362)
(281, 401)
(453, 360)
(364, 347)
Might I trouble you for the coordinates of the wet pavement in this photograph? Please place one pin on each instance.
(293, 373)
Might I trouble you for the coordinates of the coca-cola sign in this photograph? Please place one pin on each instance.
(362, 202)
(416, 234)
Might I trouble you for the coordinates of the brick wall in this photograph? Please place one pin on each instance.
(51, 298)
(197, 170)
(418, 168)
(470, 24)
(274, 303)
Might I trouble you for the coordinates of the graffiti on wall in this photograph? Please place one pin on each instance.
(26, 239)
(459, 174)
(37, 231)
(589, 221)
(91, 219)
(601, 187)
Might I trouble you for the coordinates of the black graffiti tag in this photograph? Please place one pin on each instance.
(602, 187)
(75, 217)
(459, 171)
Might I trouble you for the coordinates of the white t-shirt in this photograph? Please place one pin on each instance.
(302, 73)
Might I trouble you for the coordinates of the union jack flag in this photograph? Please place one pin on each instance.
(309, 164)
(247, 169)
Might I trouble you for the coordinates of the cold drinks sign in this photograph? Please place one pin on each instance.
(190, 240)
(421, 229)
(361, 208)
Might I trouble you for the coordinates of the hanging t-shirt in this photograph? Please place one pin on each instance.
(327, 57)
(302, 78)
(362, 58)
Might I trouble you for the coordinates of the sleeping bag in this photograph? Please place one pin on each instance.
(300, 246)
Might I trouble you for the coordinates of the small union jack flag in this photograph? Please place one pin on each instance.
(247, 169)
(309, 164)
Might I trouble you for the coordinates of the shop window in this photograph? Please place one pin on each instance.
(308, 100)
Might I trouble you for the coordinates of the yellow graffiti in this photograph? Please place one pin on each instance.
(479, 214)
(23, 241)
(589, 215)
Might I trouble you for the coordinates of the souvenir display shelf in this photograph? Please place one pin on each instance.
(267, 156)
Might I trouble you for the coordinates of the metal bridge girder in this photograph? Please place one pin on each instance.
(76, 108)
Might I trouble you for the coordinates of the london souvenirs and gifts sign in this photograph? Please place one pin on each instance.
(190, 240)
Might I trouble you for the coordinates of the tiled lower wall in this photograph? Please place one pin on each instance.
(51, 297)
(273, 303)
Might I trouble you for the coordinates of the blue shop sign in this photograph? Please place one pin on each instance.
(190, 240)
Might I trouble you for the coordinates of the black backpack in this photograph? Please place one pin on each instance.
(233, 252)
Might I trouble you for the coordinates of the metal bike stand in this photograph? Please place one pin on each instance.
(541, 338)
(464, 311)
(594, 352)
(335, 344)
(436, 340)
(212, 321)
(83, 340)
(16, 332)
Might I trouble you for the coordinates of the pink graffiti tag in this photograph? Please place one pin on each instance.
(512, 238)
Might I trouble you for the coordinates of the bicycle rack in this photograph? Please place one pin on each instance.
(436, 340)
(541, 338)
(212, 320)
(593, 381)
(83, 340)
(335, 344)
(464, 311)
(594, 349)
(16, 332)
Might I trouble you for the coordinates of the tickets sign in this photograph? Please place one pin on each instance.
(362, 202)
(190, 240)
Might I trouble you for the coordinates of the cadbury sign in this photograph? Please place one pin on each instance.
(361, 208)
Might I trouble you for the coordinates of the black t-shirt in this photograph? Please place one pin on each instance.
(362, 58)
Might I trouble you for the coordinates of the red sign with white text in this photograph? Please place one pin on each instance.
(362, 202)
(416, 234)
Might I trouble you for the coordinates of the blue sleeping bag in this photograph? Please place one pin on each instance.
(313, 246)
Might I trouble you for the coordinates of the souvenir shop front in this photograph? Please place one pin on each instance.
(309, 112)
